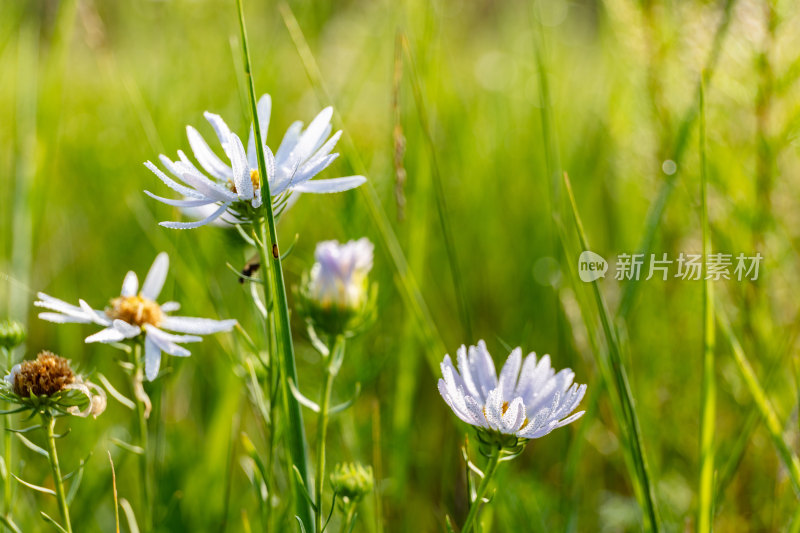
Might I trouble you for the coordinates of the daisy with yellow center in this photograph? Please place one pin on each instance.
(527, 401)
(136, 314)
(225, 189)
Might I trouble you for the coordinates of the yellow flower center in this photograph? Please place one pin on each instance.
(136, 310)
(505, 408)
(255, 179)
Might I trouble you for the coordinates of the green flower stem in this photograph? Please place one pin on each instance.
(141, 415)
(349, 518)
(322, 423)
(488, 474)
(49, 424)
(295, 434)
(7, 443)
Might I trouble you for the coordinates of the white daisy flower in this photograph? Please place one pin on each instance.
(529, 400)
(301, 155)
(136, 313)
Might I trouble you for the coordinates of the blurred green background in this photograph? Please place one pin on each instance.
(90, 89)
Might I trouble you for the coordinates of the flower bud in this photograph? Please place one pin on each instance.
(336, 295)
(352, 481)
(12, 334)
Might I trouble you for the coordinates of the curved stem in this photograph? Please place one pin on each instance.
(474, 508)
(297, 445)
(322, 427)
(49, 423)
(141, 415)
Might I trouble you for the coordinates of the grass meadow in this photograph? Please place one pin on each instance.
(677, 124)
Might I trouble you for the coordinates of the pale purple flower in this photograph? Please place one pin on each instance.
(339, 275)
(135, 312)
(528, 400)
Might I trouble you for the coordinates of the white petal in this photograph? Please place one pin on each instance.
(201, 326)
(96, 316)
(264, 109)
(54, 304)
(312, 137)
(127, 330)
(514, 416)
(494, 409)
(169, 337)
(220, 128)
(152, 359)
(189, 225)
(241, 168)
(130, 285)
(58, 318)
(172, 184)
(308, 171)
(205, 156)
(106, 335)
(156, 277)
(330, 185)
(165, 344)
(168, 307)
(288, 143)
(510, 373)
(208, 188)
(186, 202)
(482, 368)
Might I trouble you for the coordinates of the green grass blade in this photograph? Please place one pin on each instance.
(622, 387)
(705, 507)
(768, 414)
(295, 430)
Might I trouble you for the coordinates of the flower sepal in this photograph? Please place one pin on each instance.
(510, 446)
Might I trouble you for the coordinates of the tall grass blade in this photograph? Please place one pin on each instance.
(768, 414)
(622, 387)
(705, 507)
(295, 430)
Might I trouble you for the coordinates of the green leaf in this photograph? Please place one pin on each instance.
(302, 400)
(129, 515)
(342, 406)
(129, 447)
(32, 446)
(49, 519)
(121, 398)
(44, 490)
(448, 524)
(6, 521)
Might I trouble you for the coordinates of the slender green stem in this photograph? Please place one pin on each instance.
(349, 518)
(297, 445)
(322, 432)
(7, 443)
(488, 474)
(141, 415)
(49, 424)
(705, 508)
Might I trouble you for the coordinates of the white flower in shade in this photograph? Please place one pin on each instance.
(529, 400)
(136, 313)
(339, 276)
(232, 187)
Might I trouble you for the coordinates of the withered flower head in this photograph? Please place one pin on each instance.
(47, 383)
(45, 376)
